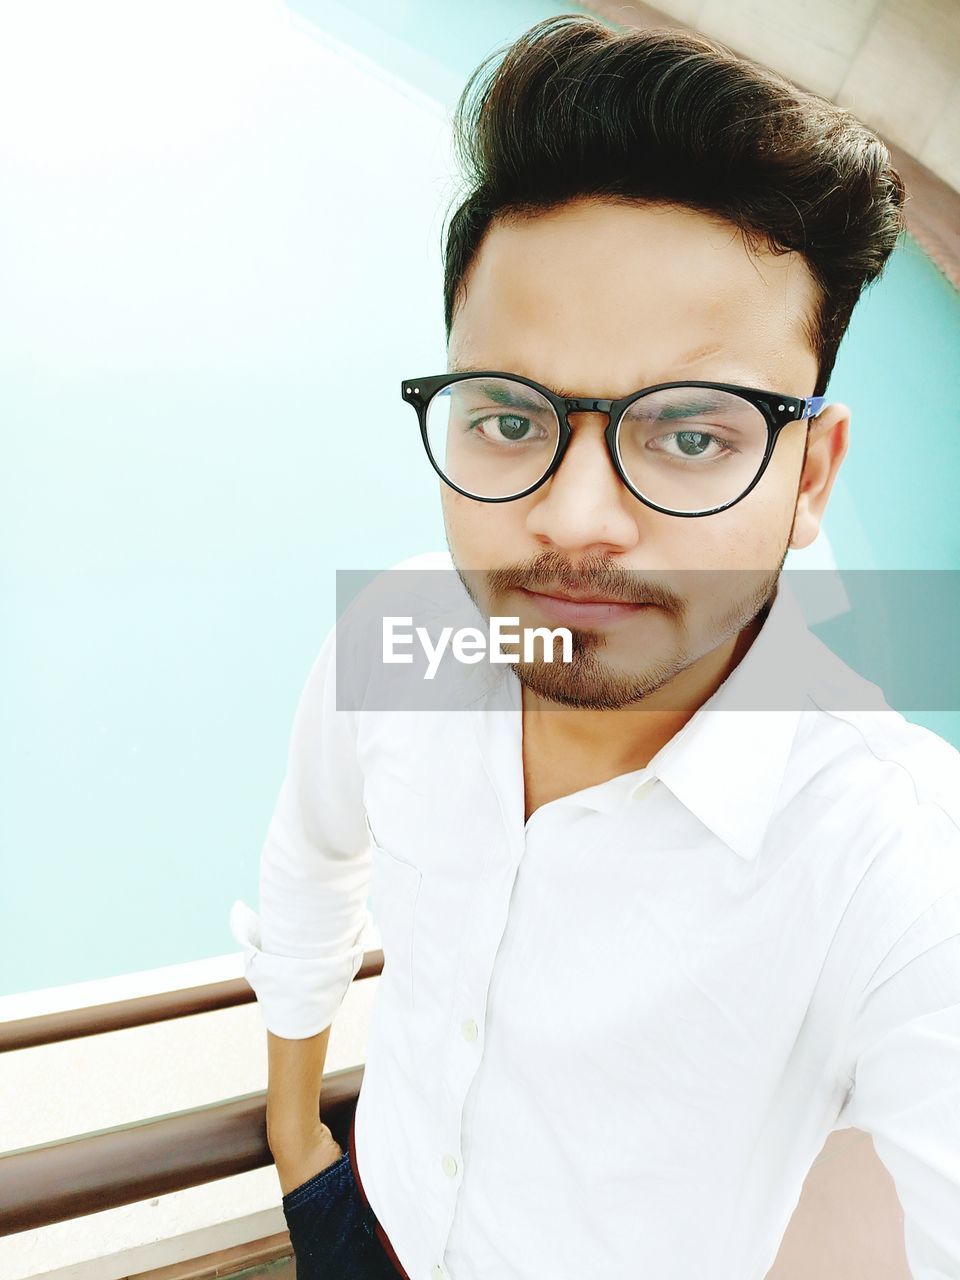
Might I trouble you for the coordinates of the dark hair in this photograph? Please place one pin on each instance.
(576, 109)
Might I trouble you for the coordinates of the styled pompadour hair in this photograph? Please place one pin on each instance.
(575, 109)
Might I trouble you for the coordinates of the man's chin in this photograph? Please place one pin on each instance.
(588, 683)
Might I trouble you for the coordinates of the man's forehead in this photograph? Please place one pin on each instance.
(674, 292)
(633, 258)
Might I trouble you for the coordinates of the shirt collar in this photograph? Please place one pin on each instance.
(727, 763)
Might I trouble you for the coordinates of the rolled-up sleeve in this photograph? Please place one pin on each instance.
(301, 953)
(905, 1059)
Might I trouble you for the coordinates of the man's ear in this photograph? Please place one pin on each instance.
(826, 447)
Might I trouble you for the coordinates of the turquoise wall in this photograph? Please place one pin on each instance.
(210, 299)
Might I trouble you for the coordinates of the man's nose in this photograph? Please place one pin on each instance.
(585, 503)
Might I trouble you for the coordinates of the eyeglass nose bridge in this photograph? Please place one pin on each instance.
(588, 404)
(584, 404)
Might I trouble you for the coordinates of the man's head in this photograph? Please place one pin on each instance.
(645, 207)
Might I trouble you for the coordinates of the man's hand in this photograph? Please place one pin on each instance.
(301, 1156)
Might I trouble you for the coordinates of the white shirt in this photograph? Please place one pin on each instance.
(610, 1041)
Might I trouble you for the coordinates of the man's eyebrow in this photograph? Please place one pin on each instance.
(558, 391)
(563, 392)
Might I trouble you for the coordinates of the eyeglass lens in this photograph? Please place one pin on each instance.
(684, 448)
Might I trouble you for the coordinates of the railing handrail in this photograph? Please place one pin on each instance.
(73, 1176)
(104, 1170)
(70, 1024)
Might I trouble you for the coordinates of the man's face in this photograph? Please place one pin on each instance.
(602, 299)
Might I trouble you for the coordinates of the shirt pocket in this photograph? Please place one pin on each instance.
(394, 890)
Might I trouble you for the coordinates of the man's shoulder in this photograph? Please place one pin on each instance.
(393, 639)
(885, 757)
(880, 798)
(859, 750)
(425, 560)
(362, 594)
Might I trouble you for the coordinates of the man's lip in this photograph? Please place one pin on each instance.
(561, 595)
(583, 612)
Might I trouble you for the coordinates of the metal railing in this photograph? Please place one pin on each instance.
(91, 1172)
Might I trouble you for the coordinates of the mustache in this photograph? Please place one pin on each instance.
(552, 572)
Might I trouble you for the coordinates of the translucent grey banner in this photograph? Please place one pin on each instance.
(444, 640)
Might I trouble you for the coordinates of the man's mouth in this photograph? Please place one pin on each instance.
(582, 609)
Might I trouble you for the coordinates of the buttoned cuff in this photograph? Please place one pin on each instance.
(298, 995)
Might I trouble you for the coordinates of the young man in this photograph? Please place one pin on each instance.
(644, 948)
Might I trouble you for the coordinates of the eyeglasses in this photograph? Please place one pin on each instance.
(683, 448)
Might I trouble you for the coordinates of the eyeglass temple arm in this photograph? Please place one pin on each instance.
(811, 407)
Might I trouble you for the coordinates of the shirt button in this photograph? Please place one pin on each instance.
(438, 1273)
(449, 1166)
(469, 1029)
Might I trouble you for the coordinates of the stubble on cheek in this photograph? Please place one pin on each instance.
(479, 534)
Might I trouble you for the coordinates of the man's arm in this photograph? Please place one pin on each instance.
(304, 949)
(295, 1073)
(905, 1054)
(300, 1142)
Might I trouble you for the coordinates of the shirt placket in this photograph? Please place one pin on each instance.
(498, 735)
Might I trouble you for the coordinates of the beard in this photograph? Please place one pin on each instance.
(608, 674)
(591, 681)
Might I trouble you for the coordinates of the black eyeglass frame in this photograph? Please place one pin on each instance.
(778, 411)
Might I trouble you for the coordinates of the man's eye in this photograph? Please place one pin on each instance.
(505, 427)
(692, 445)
